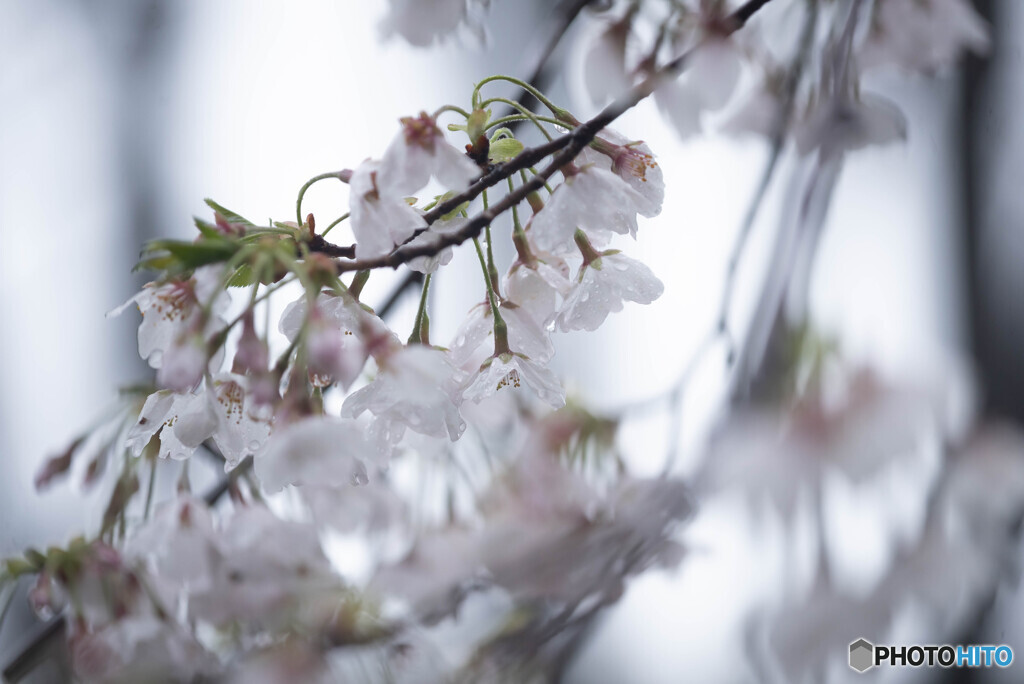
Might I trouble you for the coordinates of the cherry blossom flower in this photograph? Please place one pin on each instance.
(434, 576)
(379, 220)
(551, 536)
(424, 23)
(416, 388)
(418, 152)
(179, 543)
(474, 340)
(341, 335)
(712, 73)
(777, 456)
(759, 112)
(511, 369)
(184, 363)
(173, 309)
(634, 163)
(923, 35)
(848, 123)
(595, 200)
(317, 450)
(221, 410)
(266, 570)
(536, 287)
(429, 264)
(602, 286)
(604, 64)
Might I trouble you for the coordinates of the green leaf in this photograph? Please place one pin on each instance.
(504, 149)
(243, 277)
(177, 255)
(207, 229)
(229, 216)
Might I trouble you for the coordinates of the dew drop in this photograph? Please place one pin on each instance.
(254, 445)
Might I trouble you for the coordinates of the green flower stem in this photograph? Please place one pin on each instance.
(523, 111)
(334, 223)
(449, 108)
(492, 270)
(420, 326)
(306, 186)
(500, 329)
(521, 117)
(590, 255)
(555, 109)
(358, 282)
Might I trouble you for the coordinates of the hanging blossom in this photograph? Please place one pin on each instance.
(712, 72)
(511, 369)
(474, 340)
(633, 162)
(923, 35)
(416, 387)
(341, 335)
(432, 236)
(379, 220)
(173, 311)
(318, 450)
(424, 23)
(221, 410)
(418, 152)
(604, 282)
(593, 199)
(536, 281)
(605, 73)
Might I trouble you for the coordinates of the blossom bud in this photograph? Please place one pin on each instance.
(252, 355)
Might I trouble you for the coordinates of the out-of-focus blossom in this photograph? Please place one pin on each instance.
(778, 455)
(605, 73)
(846, 123)
(923, 35)
(318, 450)
(712, 73)
(341, 335)
(416, 388)
(266, 572)
(424, 23)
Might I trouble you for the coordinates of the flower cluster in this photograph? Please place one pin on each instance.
(381, 483)
(327, 406)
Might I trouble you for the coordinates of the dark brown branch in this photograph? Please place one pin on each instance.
(318, 244)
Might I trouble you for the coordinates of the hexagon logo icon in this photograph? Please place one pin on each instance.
(862, 655)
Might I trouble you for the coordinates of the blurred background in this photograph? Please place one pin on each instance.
(120, 116)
